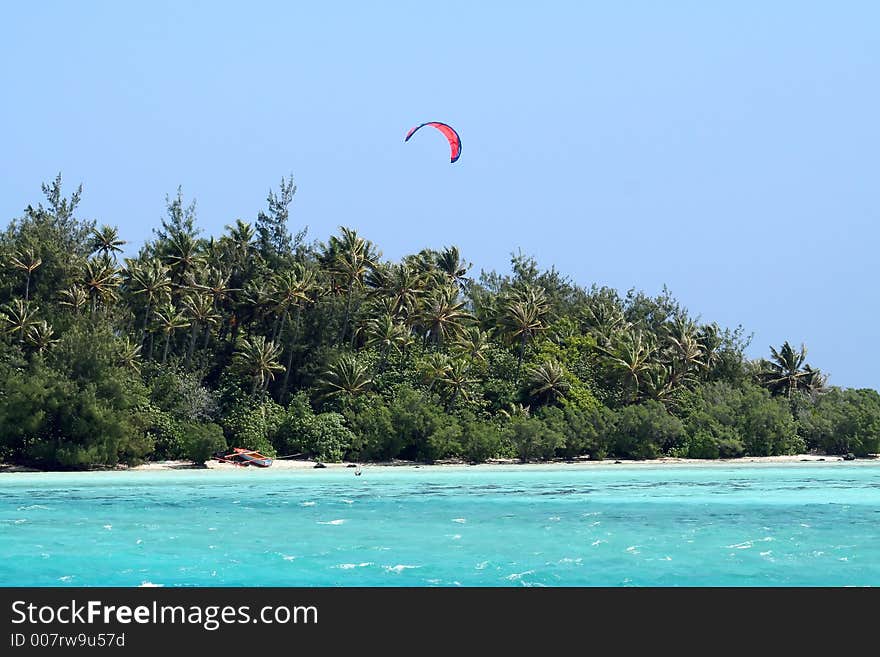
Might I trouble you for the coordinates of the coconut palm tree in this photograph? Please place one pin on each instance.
(455, 380)
(346, 377)
(683, 352)
(524, 315)
(258, 357)
(100, 280)
(27, 262)
(182, 255)
(168, 320)
(40, 336)
(151, 280)
(386, 335)
(128, 355)
(632, 355)
(105, 241)
(74, 297)
(449, 262)
(443, 315)
(17, 316)
(199, 307)
(434, 368)
(350, 257)
(548, 381)
(472, 344)
(786, 372)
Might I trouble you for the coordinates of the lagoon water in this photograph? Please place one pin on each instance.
(794, 524)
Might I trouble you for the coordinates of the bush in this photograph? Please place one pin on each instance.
(843, 421)
(645, 431)
(531, 438)
(200, 441)
(254, 427)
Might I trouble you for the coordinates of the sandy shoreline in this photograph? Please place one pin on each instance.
(301, 464)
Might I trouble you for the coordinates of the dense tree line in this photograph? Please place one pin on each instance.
(257, 338)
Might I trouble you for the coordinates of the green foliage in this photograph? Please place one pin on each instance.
(107, 359)
(201, 441)
(531, 438)
(254, 427)
(645, 431)
(322, 436)
(843, 421)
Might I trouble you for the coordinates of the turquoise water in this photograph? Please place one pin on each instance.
(611, 525)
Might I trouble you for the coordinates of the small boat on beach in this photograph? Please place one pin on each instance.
(243, 457)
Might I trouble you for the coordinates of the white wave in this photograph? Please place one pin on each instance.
(766, 554)
(288, 557)
(20, 521)
(307, 503)
(554, 518)
(138, 542)
(45, 555)
(65, 578)
(108, 527)
(597, 542)
(746, 545)
(570, 560)
(515, 576)
(349, 566)
(399, 568)
(149, 585)
(633, 549)
(331, 522)
(348, 501)
(454, 537)
(459, 520)
(32, 507)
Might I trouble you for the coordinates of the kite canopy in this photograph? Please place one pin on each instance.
(448, 132)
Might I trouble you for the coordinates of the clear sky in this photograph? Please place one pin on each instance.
(728, 149)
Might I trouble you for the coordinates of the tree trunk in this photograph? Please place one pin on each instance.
(165, 351)
(27, 287)
(347, 311)
(192, 341)
(290, 355)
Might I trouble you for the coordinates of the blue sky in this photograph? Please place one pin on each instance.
(727, 150)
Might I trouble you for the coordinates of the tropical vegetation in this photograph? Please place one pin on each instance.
(258, 338)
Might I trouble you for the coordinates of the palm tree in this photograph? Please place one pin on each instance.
(346, 377)
(632, 355)
(240, 243)
(151, 280)
(786, 371)
(101, 278)
(443, 315)
(684, 352)
(105, 240)
(472, 344)
(523, 316)
(449, 262)
(548, 381)
(200, 309)
(434, 368)
(258, 357)
(306, 289)
(183, 254)
(168, 320)
(386, 335)
(74, 297)
(27, 262)
(351, 257)
(128, 355)
(455, 380)
(40, 336)
(17, 316)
